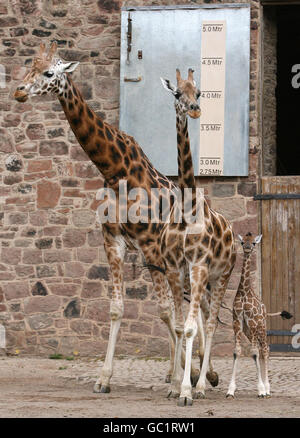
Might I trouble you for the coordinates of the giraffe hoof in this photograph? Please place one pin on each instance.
(230, 396)
(268, 395)
(195, 378)
(213, 378)
(185, 401)
(261, 396)
(168, 378)
(199, 394)
(99, 389)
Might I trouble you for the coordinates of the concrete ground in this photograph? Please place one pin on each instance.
(40, 387)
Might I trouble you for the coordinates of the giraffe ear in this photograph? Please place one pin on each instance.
(69, 67)
(168, 86)
(240, 237)
(258, 238)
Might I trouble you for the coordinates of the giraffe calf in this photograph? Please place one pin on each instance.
(249, 317)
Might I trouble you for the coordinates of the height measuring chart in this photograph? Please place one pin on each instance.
(213, 40)
(212, 100)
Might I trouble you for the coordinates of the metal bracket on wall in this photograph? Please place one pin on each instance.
(270, 196)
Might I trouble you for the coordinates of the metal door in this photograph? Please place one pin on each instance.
(165, 38)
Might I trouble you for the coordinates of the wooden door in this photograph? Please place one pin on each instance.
(281, 256)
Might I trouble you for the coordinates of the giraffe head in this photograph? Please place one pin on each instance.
(45, 76)
(186, 94)
(248, 242)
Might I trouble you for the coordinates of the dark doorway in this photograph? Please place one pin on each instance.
(288, 90)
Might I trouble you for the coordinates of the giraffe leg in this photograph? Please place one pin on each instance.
(175, 280)
(237, 326)
(115, 251)
(264, 362)
(211, 375)
(218, 290)
(171, 367)
(198, 276)
(255, 354)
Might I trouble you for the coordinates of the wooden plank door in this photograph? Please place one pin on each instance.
(281, 257)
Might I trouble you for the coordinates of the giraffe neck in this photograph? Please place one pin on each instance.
(105, 145)
(186, 177)
(245, 285)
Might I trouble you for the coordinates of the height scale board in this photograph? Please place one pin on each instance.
(214, 40)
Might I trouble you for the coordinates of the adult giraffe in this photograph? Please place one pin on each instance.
(208, 251)
(118, 157)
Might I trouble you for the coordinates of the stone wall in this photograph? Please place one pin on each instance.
(269, 88)
(55, 281)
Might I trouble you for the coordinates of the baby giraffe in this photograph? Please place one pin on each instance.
(249, 317)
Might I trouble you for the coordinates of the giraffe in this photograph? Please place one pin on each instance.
(249, 317)
(186, 179)
(118, 157)
(208, 252)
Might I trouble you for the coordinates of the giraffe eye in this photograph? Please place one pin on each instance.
(177, 94)
(48, 74)
(198, 94)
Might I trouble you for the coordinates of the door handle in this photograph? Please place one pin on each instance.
(133, 79)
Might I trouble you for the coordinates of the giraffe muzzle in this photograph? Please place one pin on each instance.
(20, 95)
(194, 114)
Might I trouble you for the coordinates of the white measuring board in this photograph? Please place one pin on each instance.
(212, 101)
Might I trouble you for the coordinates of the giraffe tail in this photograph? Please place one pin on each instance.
(284, 314)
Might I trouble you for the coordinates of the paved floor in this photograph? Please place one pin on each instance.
(37, 387)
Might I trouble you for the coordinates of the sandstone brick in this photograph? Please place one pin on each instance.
(44, 243)
(18, 218)
(48, 194)
(247, 189)
(98, 272)
(81, 327)
(12, 179)
(223, 190)
(39, 322)
(95, 238)
(231, 208)
(74, 269)
(15, 290)
(98, 311)
(51, 148)
(73, 238)
(38, 218)
(24, 271)
(91, 289)
(66, 290)
(43, 271)
(39, 289)
(32, 256)
(89, 255)
(40, 304)
(11, 256)
(39, 165)
(72, 310)
(83, 218)
(137, 292)
(93, 184)
(35, 131)
(86, 170)
(57, 256)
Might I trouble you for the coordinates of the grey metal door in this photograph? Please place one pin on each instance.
(166, 38)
